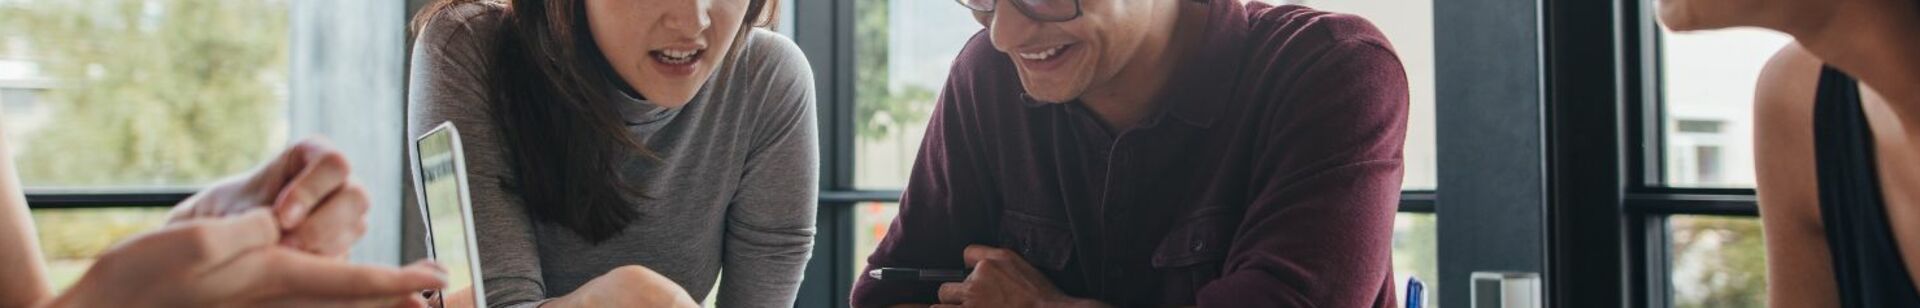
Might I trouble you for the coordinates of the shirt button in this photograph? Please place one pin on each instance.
(1199, 246)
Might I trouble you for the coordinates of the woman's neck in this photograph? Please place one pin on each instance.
(1877, 42)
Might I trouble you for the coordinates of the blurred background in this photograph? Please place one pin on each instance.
(117, 108)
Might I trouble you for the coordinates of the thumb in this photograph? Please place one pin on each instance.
(305, 275)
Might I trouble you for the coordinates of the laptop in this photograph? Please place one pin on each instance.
(440, 180)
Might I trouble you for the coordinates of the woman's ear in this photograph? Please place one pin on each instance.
(985, 18)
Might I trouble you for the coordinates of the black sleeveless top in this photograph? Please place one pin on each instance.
(1866, 259)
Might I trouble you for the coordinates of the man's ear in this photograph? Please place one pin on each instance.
(985, 18)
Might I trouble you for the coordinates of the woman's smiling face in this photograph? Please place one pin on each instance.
(665, 49)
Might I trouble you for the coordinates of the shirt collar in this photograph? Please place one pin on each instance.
(1205, 78)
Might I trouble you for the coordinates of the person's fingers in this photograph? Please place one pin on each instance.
(303, 275)
(411, 302)
(210, 242)
(211, 202)
(349, 302)
(462, 298)
(976, 253)
(954, 292)
(322, 170)
(334, 226)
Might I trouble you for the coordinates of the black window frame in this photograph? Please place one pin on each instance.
(1611, 204)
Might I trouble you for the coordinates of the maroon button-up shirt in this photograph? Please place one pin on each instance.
(1269, 178)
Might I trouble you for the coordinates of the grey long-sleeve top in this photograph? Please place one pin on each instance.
(736, 188)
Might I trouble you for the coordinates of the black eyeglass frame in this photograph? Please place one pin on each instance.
(1022, 6)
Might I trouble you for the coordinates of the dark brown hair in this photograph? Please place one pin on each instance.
(548, 91)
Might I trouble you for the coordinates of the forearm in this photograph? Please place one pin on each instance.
(766, 246)
(19, 247)
(765, 274)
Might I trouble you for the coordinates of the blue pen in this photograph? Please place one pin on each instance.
(1416, 292)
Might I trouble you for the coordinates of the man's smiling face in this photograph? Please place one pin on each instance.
(1060, 61)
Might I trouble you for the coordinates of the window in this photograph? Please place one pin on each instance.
(161, 94)
(902, 52)
(1717, 261)
(1715, 253)
(1707, 82)
(872, 219)
(135, 96)
(1415, 254)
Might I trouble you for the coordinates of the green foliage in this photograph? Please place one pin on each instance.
(880, 110)
(1731, 255)
(1415, 250)
(71, 238)
(164, 92)
(146, 93)
(82, 234)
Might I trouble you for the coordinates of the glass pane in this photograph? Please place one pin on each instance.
(71, 238)
(906, 47)
(1717, 261)
(902, 52)
(141, 93)
(871, 221)
(1414, 245)
(1708, 79)
(1415, 254)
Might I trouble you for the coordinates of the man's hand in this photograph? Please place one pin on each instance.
(1001, 278)
(319, 208)
(234, 262)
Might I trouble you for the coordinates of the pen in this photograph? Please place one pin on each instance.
(915, 274)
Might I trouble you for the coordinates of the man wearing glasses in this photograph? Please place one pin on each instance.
(1155, 153)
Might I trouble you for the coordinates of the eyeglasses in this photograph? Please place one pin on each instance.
(1039, 10)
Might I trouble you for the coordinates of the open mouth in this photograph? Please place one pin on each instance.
(677, 57)
(1045, 59)
(1043, 55)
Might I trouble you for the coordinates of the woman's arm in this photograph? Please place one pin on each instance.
(448, 83)
(1799, 268)
(19, 247)
(770, 224)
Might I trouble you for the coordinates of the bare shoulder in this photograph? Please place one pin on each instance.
(1783, 135)
(1798, 266)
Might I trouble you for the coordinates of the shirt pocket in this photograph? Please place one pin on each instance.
(1045, 243)
(1191, 254)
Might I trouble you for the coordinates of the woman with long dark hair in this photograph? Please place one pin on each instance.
(626, 152)
(1837, 138)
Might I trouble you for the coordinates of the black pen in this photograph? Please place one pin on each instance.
(915, 274)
